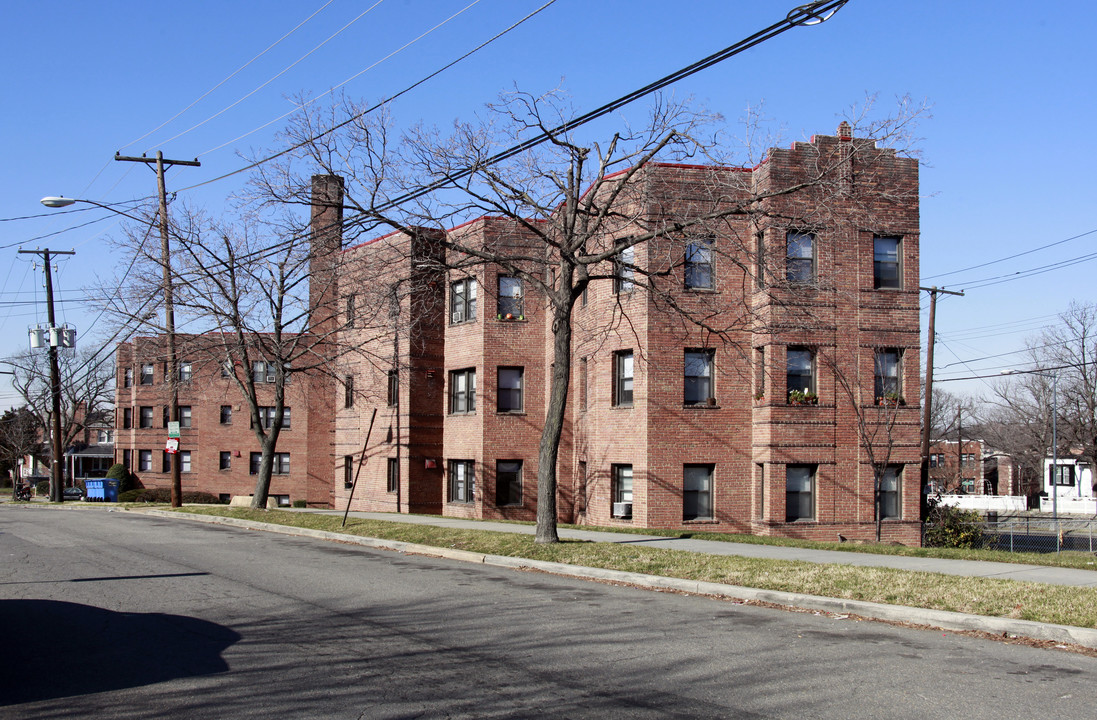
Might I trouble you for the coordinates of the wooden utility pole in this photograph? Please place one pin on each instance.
(929, 384)
(169, 304)
(57, 487)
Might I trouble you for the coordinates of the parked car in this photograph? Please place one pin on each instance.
(73, 493)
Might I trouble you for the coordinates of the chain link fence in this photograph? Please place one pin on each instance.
(1035, 534)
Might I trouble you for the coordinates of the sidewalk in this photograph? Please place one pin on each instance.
(971, 568)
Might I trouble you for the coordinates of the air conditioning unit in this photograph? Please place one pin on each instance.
(457, 316)
(622, 510)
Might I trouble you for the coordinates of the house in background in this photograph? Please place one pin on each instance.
(1068, 487)
(93, 454)
(957, 468)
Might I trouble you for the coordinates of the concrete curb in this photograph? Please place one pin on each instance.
(944, 619)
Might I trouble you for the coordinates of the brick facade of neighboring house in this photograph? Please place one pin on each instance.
(216, 440)
(955, 467)
(665, 427)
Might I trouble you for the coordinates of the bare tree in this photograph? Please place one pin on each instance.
(19, 437)
(579, 211)
(87, 391)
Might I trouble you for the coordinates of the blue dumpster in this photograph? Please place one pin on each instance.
(101, 489)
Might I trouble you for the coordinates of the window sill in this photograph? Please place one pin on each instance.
(622, 406)
(471, 413)
(700, 406)
(470, 321)
(520, 318)
(701, 521)
(710, 290)
(510, 412)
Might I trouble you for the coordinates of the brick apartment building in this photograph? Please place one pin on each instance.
(218, 449)
(665, 426)
(441, 409)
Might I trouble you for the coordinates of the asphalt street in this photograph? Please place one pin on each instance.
(119, 615)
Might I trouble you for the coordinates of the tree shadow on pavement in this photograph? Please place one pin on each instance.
(52, 649)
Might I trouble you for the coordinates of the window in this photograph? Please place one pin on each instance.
(967, 458)
(146, 374)
(889, 492)
(225, 460)
(127, 418)
(146, 416)
(226, 369)
(622, 483)
(1063, 475)
(936, 460)
(759, 261)
(185, 416)
(352, 311)
(104, 436)
(266, 417)
(800, 375)
(800, 258)
(508, 482)
(699, 264)
(623, 272)
(127, 377)
(583, 384)
(759, 373)
(184, 461)
(967, 485)
(167, 415)
(887, 374)
(799, 487)
(510, 298)
(393, 388)
(127, 459)
(348, 391)
(622, 378)
(186, 371)
(226, 414)
(462, 391)
(165, 461)
(348, 472)
(462, 301)
(144, 460)
(279, 463)
(509, 398)
(697, 492)
(262, 372)
(462, 481)
(698, 377)
(885, 262)
(393, 475)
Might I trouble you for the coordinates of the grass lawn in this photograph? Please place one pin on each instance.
(1062, 605)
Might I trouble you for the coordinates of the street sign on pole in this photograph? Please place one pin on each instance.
(173, 430)
(172, 446)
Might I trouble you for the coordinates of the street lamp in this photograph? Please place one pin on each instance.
(169, 316)
(1054, 439)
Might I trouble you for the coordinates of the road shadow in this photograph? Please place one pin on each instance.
(52, 649)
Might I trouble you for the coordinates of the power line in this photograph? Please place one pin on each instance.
(1010, 257)
(332, 89)
(810, 14)
(230, 77)
(409, 88)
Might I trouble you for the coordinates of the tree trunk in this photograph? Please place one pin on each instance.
(554, 425)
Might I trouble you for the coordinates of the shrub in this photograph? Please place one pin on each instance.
(204, 498)
(42, 487)
(126, 480)
(947, 526)
(299, 504)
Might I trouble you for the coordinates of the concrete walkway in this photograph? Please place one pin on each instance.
(971, 568)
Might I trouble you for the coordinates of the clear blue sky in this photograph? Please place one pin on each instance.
(1008, 150)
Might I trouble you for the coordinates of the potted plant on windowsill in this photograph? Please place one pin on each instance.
(760, 397)
(802, 397)
(891, 398)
